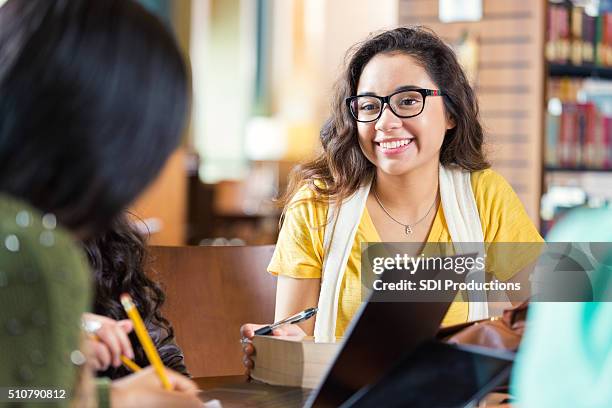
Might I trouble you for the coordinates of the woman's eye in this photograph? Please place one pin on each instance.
(368, 106)
(407, 102)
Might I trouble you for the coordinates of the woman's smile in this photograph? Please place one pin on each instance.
(394, 146)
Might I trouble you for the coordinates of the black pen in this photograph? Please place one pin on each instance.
(296, 318)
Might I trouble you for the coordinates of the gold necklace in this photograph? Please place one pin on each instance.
(407, 227)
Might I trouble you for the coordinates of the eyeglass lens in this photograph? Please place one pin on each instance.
(403, 104)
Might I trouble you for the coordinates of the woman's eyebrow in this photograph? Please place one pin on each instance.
(398, 89)
(406, 88)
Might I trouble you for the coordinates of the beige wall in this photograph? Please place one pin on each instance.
(311, 38)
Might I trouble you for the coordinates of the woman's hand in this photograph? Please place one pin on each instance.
(111, 340)
(247, 331)
(144, 389)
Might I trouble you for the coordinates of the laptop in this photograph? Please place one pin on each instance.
(379, 336)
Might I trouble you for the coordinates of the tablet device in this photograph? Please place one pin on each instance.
(438, 375)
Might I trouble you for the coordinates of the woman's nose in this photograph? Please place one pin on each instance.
(388, 120)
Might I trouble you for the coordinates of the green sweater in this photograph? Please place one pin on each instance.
(44, 289)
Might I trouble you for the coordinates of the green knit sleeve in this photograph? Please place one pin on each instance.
(103, 391)
(44, 289)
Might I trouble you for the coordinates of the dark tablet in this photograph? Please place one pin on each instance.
(438, 375)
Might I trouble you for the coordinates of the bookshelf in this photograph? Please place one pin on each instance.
(579, 71)
(552, 169)
(577, 137)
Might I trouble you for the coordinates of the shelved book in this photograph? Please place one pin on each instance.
(288, 361)
(581, 137)
(577, 38)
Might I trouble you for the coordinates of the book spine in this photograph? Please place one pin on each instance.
(563, 48)
(608, 39)
(580, 136)
(599, 40)
(590, 135)
(576, 35)
(606, 150)
(551, 34)
(553, 123)
(588, 36)
(567, 135)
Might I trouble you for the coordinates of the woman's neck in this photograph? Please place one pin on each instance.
(410, 192)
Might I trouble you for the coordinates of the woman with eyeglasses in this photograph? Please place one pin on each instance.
(403, 161)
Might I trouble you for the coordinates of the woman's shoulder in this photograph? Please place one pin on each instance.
(44, 278)
(37, 237)
(308, 198)
(307, 209)
(487, 179)
(35, 245)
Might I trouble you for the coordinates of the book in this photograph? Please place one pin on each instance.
(591, 135)
(291, 361)
(552, 133)
(605, 157)
(589, 28)
(576, 37)
(567, 135)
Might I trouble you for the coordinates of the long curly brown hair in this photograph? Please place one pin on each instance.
(342, 167)
(118, 259)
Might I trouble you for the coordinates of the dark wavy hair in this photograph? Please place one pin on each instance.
(118, 259)
(93, 98)
(342, 167)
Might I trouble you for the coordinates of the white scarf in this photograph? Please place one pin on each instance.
(462, 218)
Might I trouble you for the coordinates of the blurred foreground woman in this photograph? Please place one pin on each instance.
(566, 356)
(93, 99)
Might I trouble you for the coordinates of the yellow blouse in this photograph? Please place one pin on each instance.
(299, 249)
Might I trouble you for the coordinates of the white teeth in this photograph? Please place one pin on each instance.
(395, 144)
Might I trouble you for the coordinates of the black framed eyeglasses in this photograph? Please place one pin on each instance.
(405, 103)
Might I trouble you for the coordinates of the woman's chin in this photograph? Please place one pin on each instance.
(404, 167)
(397, 169)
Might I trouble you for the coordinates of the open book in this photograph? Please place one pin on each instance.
(291, 361)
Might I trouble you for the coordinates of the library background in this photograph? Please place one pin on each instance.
(263, 71)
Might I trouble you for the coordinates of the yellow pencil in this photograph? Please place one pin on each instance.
(145, 340)
(130, 364)
(125, 360)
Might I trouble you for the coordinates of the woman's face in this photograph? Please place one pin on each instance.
(394, 145)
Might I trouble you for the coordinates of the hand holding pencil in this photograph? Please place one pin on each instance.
(109, 343)
(143, 387)
(145, 340)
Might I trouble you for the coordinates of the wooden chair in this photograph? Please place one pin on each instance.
(210, 293)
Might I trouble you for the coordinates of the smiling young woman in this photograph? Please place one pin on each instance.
(403, 148)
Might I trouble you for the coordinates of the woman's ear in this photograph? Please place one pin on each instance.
(450, 123)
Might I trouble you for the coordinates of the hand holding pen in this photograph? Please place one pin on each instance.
(296, 318)
(286, 327)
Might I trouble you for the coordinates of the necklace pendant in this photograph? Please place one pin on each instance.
(408, 230)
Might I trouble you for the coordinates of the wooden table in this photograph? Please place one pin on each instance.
(206, 383)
